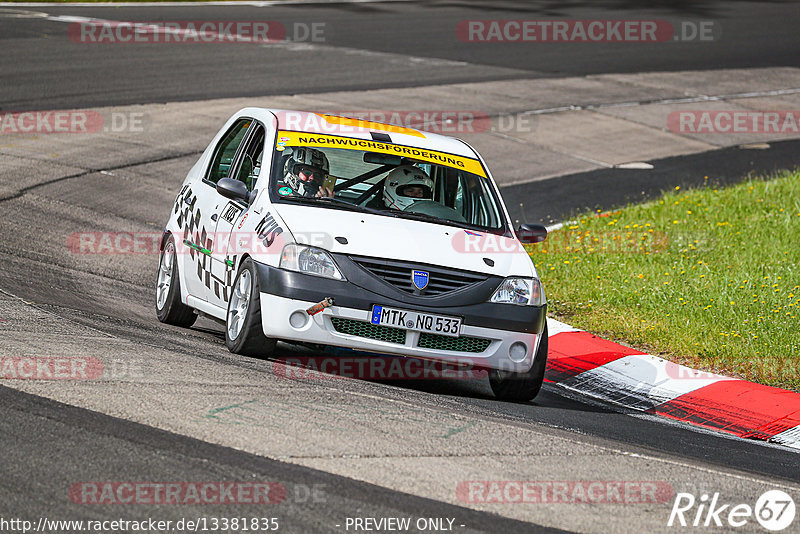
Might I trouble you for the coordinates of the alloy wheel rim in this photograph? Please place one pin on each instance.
(240, 302)
(165, 275)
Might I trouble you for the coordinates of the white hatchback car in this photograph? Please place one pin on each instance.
(328, 230)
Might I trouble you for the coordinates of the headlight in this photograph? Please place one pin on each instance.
(309, 260)
(522, 291)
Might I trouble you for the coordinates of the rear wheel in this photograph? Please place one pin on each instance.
(169, 307)
(244, 333)
(521, 387)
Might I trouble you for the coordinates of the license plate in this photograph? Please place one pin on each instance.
(416, 321)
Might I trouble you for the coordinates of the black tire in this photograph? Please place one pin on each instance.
(172, 310)
(249, 339)
(521, 387)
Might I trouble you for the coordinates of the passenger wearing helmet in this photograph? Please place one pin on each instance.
(405, 185)
(304, 173)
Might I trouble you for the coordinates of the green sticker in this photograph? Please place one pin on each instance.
(284, 191)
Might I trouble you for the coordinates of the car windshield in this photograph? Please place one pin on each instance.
(413, 186)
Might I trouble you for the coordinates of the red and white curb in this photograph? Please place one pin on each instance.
(592, 366)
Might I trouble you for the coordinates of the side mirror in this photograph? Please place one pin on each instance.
(233, 189)
(531, 233)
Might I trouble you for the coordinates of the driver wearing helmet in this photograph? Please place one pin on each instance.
(405, 185)
(304, 173)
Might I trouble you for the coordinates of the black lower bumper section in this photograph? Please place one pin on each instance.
(305, 287)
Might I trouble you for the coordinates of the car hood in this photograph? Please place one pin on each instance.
(365, 234)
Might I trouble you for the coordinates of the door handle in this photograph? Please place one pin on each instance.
(214, 217)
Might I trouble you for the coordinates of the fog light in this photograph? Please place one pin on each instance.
(298, 319)
(517, 351)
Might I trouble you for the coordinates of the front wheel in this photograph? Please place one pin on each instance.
(169, 307)
(521, 387)
(244, 333)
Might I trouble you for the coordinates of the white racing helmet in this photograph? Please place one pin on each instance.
(309, 160)
(400, 180)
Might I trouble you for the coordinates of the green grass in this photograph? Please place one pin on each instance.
(709, 277)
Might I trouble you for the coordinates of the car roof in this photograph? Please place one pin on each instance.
(353, 127)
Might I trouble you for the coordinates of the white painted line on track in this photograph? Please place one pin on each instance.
(146, 27)
(195, 34)
(301, 46)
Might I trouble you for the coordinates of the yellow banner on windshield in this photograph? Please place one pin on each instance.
(421, 154)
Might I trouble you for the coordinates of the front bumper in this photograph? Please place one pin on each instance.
(488, 330)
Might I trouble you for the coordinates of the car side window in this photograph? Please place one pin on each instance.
(250, 168)
(226, 151)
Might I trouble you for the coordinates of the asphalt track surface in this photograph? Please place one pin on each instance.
(47, 445)
(138, 452)
(397, 44)
(560, 198)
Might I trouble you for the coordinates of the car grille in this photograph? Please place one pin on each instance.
(398, 274)
(456, 344)
(369, 330)
(398, 335)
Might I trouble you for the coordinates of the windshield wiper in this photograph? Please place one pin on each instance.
(391, 213)
(331, 200)
(429, 218)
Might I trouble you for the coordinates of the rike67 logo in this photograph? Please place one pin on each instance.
(774, 510)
